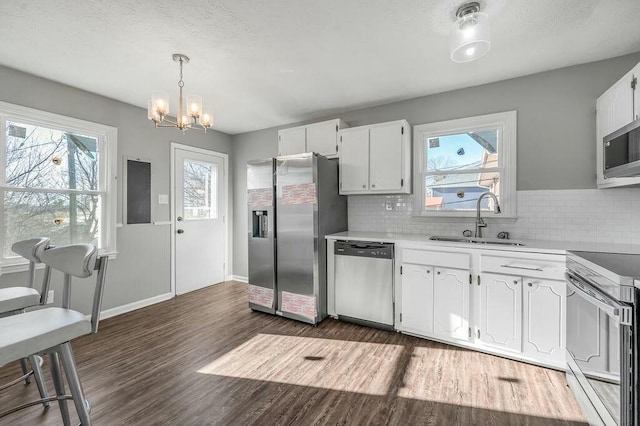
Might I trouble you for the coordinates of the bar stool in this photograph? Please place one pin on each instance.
(51, 330)
(14, 300)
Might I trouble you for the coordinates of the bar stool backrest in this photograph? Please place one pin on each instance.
(31, 250)
(78, 260)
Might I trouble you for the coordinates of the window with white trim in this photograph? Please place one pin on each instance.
(57, 180)
(457, 161)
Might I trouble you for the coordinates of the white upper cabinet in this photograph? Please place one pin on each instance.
(317, 137)
(291, 141)
(386, 159)
(615, 109)
(354, 160)
(636, 92)
(323, 138)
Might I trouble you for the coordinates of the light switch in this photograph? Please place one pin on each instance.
(163, 198)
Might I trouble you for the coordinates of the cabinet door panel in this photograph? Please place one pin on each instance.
(417, 298)
(292, 141)
(386, 157)
(501, 311)
(544, 318)
(322, 138)
(636, 92)
(354, 161)
(451, 303)
(588, 343)
(621, 103)
(603, 128)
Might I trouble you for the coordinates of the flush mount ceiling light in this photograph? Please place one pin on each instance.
(192, 118)
(470, 33)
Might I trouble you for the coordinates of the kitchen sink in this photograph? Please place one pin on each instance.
(476, 240)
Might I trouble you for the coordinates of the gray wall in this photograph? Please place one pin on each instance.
(556, 128)
(142, 268)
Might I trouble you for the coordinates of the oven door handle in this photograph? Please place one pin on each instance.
(612, 309)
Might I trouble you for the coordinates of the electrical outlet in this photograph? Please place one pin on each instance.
(50, 297)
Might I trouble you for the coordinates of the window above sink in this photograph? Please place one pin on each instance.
(456, 161)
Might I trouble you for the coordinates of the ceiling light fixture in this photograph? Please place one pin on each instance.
(470, 34)
(158, 107)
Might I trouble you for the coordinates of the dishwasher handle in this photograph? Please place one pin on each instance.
(364, 249)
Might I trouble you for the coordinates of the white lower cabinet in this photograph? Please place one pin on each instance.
(434, 296)
(519, 315)
(435, 301)
(417, 295)
(523, 314)
(501, 311)
(544, 317)
(451, 303)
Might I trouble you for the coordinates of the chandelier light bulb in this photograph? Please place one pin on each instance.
(194, 105)
(206, 120)
(160, 101)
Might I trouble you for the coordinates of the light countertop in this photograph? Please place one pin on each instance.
(535, 246)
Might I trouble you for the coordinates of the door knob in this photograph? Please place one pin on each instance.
(179, 218)
(364, 186)
(180, 231)
(373, 186)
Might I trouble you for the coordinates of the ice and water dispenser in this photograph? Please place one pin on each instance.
(260, 223)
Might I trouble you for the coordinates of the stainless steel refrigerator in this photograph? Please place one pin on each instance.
(293, 202)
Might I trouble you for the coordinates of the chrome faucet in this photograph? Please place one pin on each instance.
(479, 221)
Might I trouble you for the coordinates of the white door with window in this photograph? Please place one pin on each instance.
(199, 219)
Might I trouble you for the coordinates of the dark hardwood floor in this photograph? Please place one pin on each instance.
(206, 359)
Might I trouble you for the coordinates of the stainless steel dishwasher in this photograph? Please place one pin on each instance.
(364, 282)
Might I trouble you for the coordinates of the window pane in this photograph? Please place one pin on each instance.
(460, 192)
(65, 218)
(462, 151)
(200, 190)
(38, 157)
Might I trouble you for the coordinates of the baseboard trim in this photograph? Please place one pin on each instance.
(119, 310)
(237, 278)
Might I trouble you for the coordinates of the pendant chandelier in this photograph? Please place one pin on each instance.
(192, 118)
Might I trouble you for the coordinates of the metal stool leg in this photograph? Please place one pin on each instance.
(25, 371)
(36, 365)
(74, 383)
(54, 365)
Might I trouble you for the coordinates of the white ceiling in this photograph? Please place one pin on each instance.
(262, 63)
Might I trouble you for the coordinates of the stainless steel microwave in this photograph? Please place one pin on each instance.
(622, 151)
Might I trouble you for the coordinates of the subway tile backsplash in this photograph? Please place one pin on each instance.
(606, 216)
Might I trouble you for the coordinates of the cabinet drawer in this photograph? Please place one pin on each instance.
(537, 266)
(436, 258)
